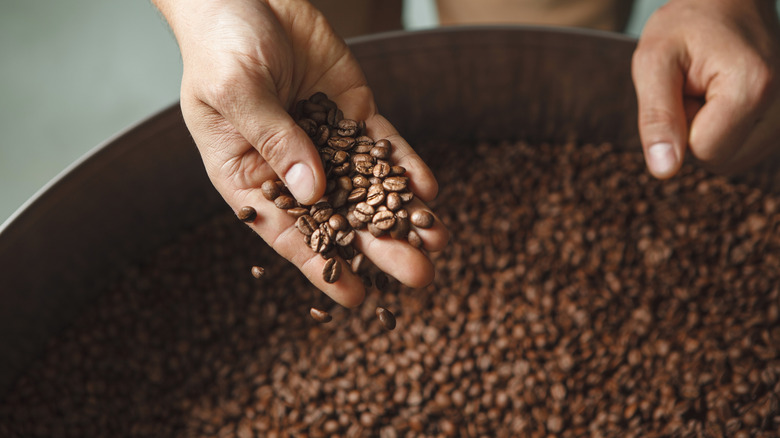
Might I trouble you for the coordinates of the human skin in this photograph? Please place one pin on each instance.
(705, 73)
(246, 62)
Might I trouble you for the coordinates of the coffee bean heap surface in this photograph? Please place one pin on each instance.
(365, 190)
(578, 297)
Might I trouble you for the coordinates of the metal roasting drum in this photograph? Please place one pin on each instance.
(140, 189)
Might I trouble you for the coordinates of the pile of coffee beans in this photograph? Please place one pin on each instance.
(578, 296)
(364, 188)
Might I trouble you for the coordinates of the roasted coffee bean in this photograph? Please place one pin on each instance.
(321, 136)
(346, 252)
(285, 202)
(414, 239)
(319, 117)
(306, 225)
(339, 157)
(339, 198)
(338, 222)
(364, 212)
(344, 183)
(347, 128)
(318, 98)
(393, 201)
(397, 170)
(341, 143)
(395, 183)
(332, 270)
(381, 169)
(342, 169)
(270, 190)
(309, 126)
(375, 195)
(359, 264)
(345, 238)
(334, 117)
(320, 241)
(360, 181)
(322, 211)
(381, 281)
(362, 148)
(325, 227)
(258, 271)
(354, 222)
(380, 151)
(364, 167)
(384, 220)
(356, 158)
(357, 195)
(330, 253)
(375, 181)
(364, 140)
(297, 212)
(406, 197)
(384, 144)
(320, 316)
(247, 214)
(375, 230)
(422, 219)
(386, 317)
(312, 106)
(400, 230)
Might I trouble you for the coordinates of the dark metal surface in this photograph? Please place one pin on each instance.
(144, 187)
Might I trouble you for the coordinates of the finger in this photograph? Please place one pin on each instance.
(421, 179)
(397, 258)
(262, 120)
(730, 113)
(278, 229)
(658, 79)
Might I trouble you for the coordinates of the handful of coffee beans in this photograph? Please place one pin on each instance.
(365, 189)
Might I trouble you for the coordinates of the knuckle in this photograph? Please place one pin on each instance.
(272, 144)
(657, 118)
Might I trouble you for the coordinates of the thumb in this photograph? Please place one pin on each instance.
(658, 79)
(265, 124)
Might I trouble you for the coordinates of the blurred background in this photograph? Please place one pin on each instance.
(74, 74)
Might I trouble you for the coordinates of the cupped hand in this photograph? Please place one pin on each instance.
(705, 73)
(246, 62)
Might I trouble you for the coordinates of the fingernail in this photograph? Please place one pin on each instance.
(661, 158)
(300, 181)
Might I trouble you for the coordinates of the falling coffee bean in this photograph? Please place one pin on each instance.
(258, 271)
(386, 317)
(247, 214)
(331, 271)
(320, 316)
(381, 281)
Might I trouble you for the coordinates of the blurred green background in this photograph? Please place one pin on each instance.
(74, 74)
